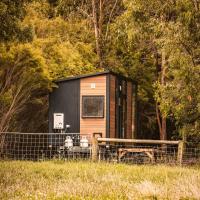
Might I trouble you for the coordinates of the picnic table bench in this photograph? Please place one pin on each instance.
(121, 152)
(150, 152)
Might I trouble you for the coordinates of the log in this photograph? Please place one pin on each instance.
(137, 141)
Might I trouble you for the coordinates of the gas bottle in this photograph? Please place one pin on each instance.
(68, 142)
(84, 142)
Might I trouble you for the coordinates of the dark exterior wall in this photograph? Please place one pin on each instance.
(66, 99)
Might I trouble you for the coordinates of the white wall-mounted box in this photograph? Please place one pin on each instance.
(58, 121)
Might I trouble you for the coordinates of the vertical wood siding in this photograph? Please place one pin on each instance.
(93, 125)
(129, 111)
(112, 106)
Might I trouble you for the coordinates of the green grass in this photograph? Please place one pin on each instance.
(87, 180)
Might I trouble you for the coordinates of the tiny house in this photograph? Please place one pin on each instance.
(103, 102)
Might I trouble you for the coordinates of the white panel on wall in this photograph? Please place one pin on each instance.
(58, 121)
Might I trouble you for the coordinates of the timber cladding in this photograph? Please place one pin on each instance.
(92, 86)
(129, 133)
(112, 106)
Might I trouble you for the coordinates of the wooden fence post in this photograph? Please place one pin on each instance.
(95, 146)
(180, 152)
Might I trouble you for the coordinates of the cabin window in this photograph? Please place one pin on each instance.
(92, 106)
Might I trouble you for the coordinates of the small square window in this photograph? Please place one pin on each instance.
(92, 106)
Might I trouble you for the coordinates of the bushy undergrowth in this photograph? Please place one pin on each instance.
(86, 180)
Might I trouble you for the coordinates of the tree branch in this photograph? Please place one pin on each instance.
(110, 16)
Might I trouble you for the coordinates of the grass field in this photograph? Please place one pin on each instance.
(86, 180)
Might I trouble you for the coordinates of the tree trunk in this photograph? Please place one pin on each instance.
(163, 134)
(160, 118)
(164, 129)
(96, 30)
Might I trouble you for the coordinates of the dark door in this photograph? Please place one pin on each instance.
(121, 108)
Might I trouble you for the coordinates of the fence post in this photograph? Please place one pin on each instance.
(180, 152)
(2, 141)
(95, 146)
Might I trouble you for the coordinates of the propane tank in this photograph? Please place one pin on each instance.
(84, 142)
(68, 142)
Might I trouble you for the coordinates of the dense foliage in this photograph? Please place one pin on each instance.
(155, 42)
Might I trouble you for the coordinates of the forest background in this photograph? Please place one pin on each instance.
(155, 42)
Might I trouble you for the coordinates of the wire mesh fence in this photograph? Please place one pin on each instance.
(149, 152)
(139, 154)
(75, 146)
(44, 146)
(191, 155)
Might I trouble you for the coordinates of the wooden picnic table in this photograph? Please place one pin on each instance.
(123, 151)
(150, 152)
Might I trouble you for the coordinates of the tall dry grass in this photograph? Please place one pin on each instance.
(86, 180)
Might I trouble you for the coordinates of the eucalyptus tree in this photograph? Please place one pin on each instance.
(99, 14)
(161, 38)
(22, 79)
